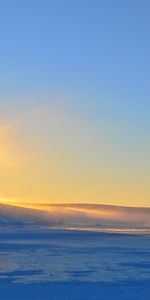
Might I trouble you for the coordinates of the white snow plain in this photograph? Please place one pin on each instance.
(41, 263)
(67, 265)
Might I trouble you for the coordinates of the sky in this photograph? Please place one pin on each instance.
(74, 101)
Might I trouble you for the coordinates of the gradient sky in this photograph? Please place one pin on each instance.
(75, 101)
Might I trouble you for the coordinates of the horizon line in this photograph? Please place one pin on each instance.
(17, 203)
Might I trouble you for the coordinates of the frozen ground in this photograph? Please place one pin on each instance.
(73, 265)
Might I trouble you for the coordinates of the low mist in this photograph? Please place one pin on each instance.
(77, 216)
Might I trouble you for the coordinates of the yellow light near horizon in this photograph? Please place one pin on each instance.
(63, 161)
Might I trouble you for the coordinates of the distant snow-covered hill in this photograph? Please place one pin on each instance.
(76, 216)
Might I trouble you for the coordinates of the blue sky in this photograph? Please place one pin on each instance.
(80, 44)
(94, 54)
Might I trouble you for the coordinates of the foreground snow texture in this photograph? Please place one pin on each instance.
(73, 265)
(43, 258)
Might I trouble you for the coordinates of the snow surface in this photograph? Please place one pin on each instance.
(39, 260)
(67, 265)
